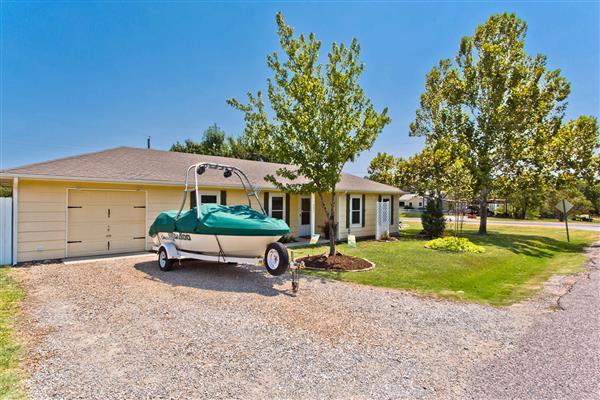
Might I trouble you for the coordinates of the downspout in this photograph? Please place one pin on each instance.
(15, 220)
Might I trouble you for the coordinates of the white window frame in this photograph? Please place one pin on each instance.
(277, 194)
(360, 219)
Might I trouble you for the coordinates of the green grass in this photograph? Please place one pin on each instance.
(517, 260)
(10, 375)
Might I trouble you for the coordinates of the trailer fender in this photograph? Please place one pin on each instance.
(170, 249)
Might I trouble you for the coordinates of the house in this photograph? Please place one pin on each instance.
(104, 202)
(412, 200)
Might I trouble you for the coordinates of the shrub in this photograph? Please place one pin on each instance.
(455, 244)
(433, 220)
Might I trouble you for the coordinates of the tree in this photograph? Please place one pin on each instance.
(321, 118)
(432, 219)
(459, 191)
(213, 143)
(496, 106)
(384, 168)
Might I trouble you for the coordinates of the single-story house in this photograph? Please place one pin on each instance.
(412, 200)
(104, 202)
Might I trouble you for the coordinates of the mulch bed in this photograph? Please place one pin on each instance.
(339, 262)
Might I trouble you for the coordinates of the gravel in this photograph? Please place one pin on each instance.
(559, 356)
(120, 328)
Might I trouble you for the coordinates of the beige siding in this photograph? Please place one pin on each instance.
(370, 216)
(43, 213)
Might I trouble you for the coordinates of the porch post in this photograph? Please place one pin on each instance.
(312, 214)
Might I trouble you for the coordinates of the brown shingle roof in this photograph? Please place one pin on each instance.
(128, 164)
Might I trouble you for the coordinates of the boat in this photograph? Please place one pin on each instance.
(232, 234)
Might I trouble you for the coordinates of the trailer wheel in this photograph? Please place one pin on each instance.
(164, 262)
(277, 260)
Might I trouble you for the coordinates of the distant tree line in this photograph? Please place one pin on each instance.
(215, 142)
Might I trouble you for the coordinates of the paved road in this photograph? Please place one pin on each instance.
(544, 224)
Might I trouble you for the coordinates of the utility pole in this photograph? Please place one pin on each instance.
(148, 141)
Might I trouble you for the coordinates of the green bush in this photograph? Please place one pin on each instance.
(432, 219)
(455, 244)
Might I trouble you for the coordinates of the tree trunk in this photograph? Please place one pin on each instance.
(483, 211)
(330, 215)
(332, 226)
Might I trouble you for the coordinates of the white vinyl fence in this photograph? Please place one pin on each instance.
(383, 219)
(5, 230)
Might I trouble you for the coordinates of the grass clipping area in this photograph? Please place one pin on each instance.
(10, 355)
(454, 244)
(516, 263)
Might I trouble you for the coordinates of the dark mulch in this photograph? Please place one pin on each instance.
(339, 262)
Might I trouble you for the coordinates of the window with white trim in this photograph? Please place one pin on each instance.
(206, 197)
(277, 206)
(355, 211)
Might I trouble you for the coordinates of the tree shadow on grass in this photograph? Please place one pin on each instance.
(529, 245)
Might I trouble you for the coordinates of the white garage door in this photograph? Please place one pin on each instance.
(105, 222)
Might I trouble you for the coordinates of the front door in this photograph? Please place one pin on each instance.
(304, 225)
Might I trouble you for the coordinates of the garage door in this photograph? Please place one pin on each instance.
(105, 222)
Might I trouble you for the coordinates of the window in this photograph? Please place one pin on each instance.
(420, 204)
(207, 197)
(277, 207)
(410, 203)
(401, 204)
(355, 211)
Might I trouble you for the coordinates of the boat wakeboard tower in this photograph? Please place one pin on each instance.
(236, 234)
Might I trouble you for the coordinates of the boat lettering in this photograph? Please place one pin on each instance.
(180, 236)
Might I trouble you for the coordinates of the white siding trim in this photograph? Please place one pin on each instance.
(15, 221)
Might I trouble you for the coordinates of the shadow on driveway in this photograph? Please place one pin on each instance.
(219, 277)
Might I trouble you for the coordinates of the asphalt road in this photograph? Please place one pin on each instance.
(572, 225)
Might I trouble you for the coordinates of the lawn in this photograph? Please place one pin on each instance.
(516, 262)
(10, 376)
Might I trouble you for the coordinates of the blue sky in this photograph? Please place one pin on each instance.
(86, 76)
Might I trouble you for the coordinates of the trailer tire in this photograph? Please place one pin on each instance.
(276, 260)
(164, 262)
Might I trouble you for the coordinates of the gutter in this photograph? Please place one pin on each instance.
(161, 183)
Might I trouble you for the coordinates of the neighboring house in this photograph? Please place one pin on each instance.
(412, 200)
(104, 202)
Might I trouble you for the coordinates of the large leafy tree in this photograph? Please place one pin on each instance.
(321, 117)
(494, 104)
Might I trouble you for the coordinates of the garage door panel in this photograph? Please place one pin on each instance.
(122, 246)
(87, 248)
(126, 229)
(86, 231)
(127, 213)
(88, 213)
(126, 198)
(105, 222)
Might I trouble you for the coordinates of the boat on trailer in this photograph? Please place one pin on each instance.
(236, 234)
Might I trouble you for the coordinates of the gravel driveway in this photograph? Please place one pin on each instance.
(120, 328)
